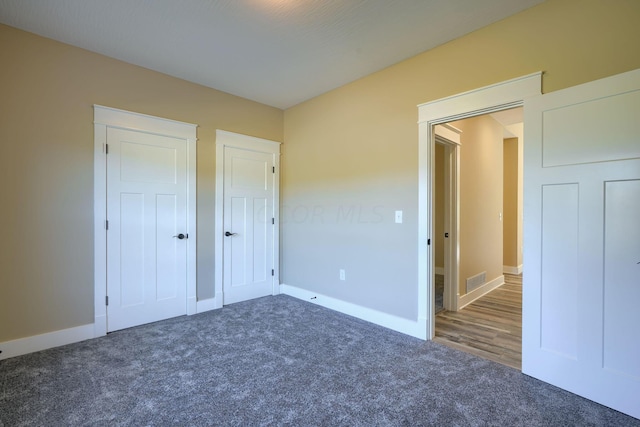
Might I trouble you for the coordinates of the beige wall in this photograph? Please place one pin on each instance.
(480, 198)
(520, 201)
(517, 129)
(349, 158)
(47, 90)
(510, 201)
(358, 145)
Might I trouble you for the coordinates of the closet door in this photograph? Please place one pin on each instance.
(582, 240)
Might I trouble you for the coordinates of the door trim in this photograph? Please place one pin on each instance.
(489, 99)
(449, 137)
(106, 117)
(235, 140)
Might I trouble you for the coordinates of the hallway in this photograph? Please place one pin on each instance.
(490, 327)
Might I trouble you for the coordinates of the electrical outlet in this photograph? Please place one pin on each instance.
(398, 217)
(342, 275)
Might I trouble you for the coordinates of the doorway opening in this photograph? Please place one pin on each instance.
(490, 99)
(483, 224)
(446, 216)
(439, 219)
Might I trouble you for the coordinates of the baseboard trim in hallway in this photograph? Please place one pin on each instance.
(490, 327)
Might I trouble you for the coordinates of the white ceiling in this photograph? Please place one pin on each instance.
(509, 118)
(278, 52)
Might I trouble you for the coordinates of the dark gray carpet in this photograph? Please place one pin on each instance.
(439, 290)
(277, 361)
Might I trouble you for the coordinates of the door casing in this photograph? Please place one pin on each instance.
(489, 99)
(106, 117)
(449, 137)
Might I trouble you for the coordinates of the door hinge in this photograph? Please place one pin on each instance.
(106, 148)
(273, 221)
(106, 300)
(428, 241)
(273, 169)
(273, 272)
(106, 224)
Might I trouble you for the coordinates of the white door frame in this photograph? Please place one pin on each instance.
(106, 117)
(497, 97)
(449, 137)
(235, 140)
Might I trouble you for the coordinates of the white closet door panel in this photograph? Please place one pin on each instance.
(248, 213)
(582, 240)
(622, 278)
(147, 208)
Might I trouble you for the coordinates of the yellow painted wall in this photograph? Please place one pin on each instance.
(510, 199)
(481, 182)
(349, 158)
(489, 183)
(47, 90)
(519, 130)
(358, 145)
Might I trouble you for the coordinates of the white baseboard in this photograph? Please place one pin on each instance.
(100, 326)
(41, 342)
(208, 304)
(512, 270)
(464, 300)
(410, 327)
(439, 270)
(44, 341)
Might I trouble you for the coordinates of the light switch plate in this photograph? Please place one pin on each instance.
(398, 217)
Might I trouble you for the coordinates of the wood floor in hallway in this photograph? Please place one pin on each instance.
(490, 327)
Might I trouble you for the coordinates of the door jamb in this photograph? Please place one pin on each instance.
(104, 118)
(489, 99)
(235, 140)
(449, 137)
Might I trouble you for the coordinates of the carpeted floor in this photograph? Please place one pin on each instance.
(277, 361)
(439, 285)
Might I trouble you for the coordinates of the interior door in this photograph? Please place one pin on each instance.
(248, 224)
(146, 237)
(582, 241)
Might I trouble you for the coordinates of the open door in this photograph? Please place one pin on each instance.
(582, 240)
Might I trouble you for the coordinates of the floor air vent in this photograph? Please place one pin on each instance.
(474, 282)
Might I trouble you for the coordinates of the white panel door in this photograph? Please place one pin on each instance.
(582, 241)
(147, 213)
(248, 224)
